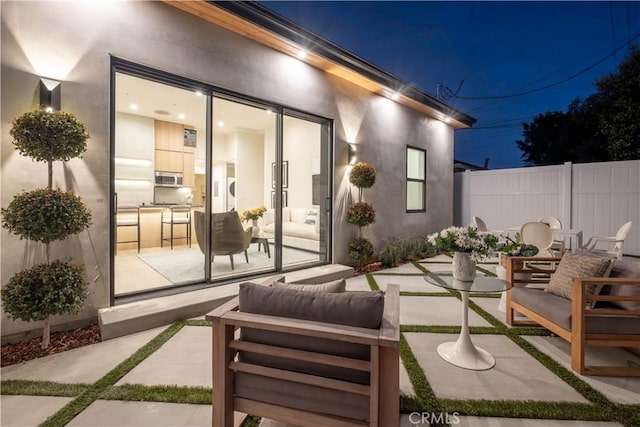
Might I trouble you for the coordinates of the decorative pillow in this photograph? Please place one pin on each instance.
(576, 265)
(361, 309)
(334, 287)
(312, 217)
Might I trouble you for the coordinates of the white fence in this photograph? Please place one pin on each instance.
(596, 198)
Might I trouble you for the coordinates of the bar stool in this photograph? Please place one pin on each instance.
(128, 216)
(179, 215)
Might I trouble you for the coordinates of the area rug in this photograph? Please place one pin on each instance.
(187, 264)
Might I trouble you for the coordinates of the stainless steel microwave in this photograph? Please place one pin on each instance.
(168, 179)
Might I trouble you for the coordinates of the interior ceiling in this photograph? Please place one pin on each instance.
(154, 98)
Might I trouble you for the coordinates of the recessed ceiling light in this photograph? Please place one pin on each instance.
(302, 54)
(269, 111)
(395, 96)
(198, 93)
(220, 124)
(181, 116)
(447, 119)
(134, 107)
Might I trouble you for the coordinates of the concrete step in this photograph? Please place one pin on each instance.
(139, 316)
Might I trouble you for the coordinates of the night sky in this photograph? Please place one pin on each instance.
(497, 48)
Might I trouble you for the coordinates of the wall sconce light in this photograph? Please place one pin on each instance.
(352, 153)
(50, 94)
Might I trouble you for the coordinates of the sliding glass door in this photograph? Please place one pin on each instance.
(159, 141)
(211, 187)
(305, 190)
(242, 221)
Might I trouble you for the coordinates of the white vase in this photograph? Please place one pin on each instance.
(464, 268)
(255, 229)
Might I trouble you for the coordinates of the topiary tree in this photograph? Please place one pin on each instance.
(362, 214)
(45, 215)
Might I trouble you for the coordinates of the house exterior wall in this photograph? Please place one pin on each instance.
(73, 43)
(596, 198)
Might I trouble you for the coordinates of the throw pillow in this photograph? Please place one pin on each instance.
(576, 265)
(361, 309)
(336, 286)
(312, 217)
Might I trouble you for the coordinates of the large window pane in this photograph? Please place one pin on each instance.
(415, 164)
(242, 236)
(415, 196)
(304, 190)
(159, 135)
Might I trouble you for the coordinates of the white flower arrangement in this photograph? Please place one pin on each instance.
(465, 239)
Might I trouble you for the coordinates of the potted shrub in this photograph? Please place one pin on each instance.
(44, 215)
(362, 214)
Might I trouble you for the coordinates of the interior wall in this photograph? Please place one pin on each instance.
(249, 170)
(135, 139)
(301, 146)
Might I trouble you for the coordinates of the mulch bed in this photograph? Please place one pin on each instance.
(60, 341)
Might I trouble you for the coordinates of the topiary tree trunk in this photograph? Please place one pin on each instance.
(362, 214)
(45, 215)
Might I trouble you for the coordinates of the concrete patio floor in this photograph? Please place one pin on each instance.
(184, 360)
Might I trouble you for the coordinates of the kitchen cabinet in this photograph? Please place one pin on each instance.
(188, 175)
(169, 136)
(169, 161)
(170, 153)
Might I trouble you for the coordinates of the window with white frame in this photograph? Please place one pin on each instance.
(416, 179)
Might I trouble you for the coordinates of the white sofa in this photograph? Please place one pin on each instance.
(298, 228)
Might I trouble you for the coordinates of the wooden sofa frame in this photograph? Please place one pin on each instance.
(383, 367)
(580, 309)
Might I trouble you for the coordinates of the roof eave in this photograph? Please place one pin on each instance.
(324, 55)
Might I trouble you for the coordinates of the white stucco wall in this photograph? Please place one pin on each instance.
(73, 43)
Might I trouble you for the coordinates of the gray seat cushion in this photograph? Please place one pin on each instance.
(558, 310)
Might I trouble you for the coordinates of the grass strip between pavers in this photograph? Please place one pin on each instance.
(397, 274)
(424, 294)
(201, 322)
(160, 393)
(449, 329)
(86, 398)
(372, 282)
(42, 388)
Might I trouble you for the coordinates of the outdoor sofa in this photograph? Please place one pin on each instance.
(593, 311)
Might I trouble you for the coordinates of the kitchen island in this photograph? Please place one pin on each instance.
(150, 222)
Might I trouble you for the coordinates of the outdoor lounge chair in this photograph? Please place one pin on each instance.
(228, 237)
(307, 358)
(617, 241)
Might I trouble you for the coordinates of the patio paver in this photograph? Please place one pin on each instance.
(410, 421)
(624, 390)
(184, 360)
(435, 311)
(81, 365)
(407, 283)
(142, 414)
(516, 376)
(21, 411)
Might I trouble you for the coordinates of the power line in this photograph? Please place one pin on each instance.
(448, 93)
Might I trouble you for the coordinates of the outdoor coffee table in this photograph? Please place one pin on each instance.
(463, 353)
(262, 241)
